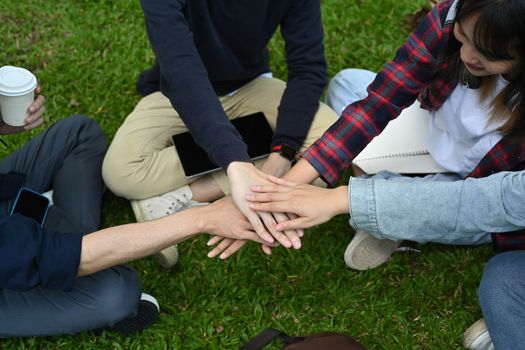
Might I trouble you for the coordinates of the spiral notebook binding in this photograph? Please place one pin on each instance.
(397, 155)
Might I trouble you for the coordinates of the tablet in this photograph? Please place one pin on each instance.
(254, 129)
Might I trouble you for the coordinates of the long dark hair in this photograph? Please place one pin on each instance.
(499, 34)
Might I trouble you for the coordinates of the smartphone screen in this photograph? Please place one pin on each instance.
(31, 204)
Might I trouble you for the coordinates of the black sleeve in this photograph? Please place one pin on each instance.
(303, 34)
(185, 82)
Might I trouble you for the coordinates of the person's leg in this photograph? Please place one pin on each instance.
(66, 158)
(369, 250)
(502, 299)
(142, 162)
(348, 86)
(97, 301)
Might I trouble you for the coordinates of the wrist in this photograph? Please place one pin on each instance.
(341, 200)
(285, 151)
(238, 164)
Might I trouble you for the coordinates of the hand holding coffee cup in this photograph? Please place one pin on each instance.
(18, 108)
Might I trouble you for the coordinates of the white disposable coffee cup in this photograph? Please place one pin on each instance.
(17, 92)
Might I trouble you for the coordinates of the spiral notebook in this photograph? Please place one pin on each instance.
(401, 147)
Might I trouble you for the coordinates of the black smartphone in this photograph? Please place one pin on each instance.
(31, 204)
(254, 129)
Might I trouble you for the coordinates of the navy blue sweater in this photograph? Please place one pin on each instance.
(208, 48)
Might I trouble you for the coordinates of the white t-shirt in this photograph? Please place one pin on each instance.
(460, 131)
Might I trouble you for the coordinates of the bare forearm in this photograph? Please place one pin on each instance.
(302, 172)
(117, 245)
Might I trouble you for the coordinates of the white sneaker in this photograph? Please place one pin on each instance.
(366, 252)
(168, 203)
(477, 337)
(159, 206)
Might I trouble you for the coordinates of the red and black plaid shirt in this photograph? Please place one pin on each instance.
(417, 71)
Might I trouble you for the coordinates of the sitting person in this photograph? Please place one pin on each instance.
(65, 270)
(474, 99)
(213, 66)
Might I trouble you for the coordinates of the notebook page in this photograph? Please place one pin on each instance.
(402, 146)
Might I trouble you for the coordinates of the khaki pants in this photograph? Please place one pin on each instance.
(142, 162)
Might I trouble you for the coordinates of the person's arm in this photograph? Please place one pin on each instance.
(471, 206)
(105, 248)
(185, 82)
(32, 257)
(302, 32)
(395, 87)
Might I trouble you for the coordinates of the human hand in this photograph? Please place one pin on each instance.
(226, 247)
(222, 218)
(34, 117)
(242, 175)
(312, 204)
(276, 165)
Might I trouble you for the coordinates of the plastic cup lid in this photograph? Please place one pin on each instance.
(16, 81)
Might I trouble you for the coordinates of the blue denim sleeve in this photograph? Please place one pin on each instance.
(468, 207)
(33, 257)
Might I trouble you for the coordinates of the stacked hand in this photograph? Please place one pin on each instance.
(306, 206)
(242, 176)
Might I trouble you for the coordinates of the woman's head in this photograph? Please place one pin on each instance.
(489, 40)
(492, 36)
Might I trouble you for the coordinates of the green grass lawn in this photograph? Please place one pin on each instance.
(87, 55)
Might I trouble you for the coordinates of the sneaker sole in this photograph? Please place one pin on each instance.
(373, 258)
(139, 215)
(475, 337)
(168, 257)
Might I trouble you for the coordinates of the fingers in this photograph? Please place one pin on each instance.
(292, 235)
(267, 188)
(267, 197)
(295, 224)
(270, 224)
(214, 240)
(226, 248)
(37, 104)
(258, 227)
(266, 249)
(35, 112)
(34, 124)
(280, 181)
(274, 207)
(232, 249)
(292, 216)
(226, 242)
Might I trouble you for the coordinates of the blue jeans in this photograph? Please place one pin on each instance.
(67, 158)
(348, 86)
(502, 299)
